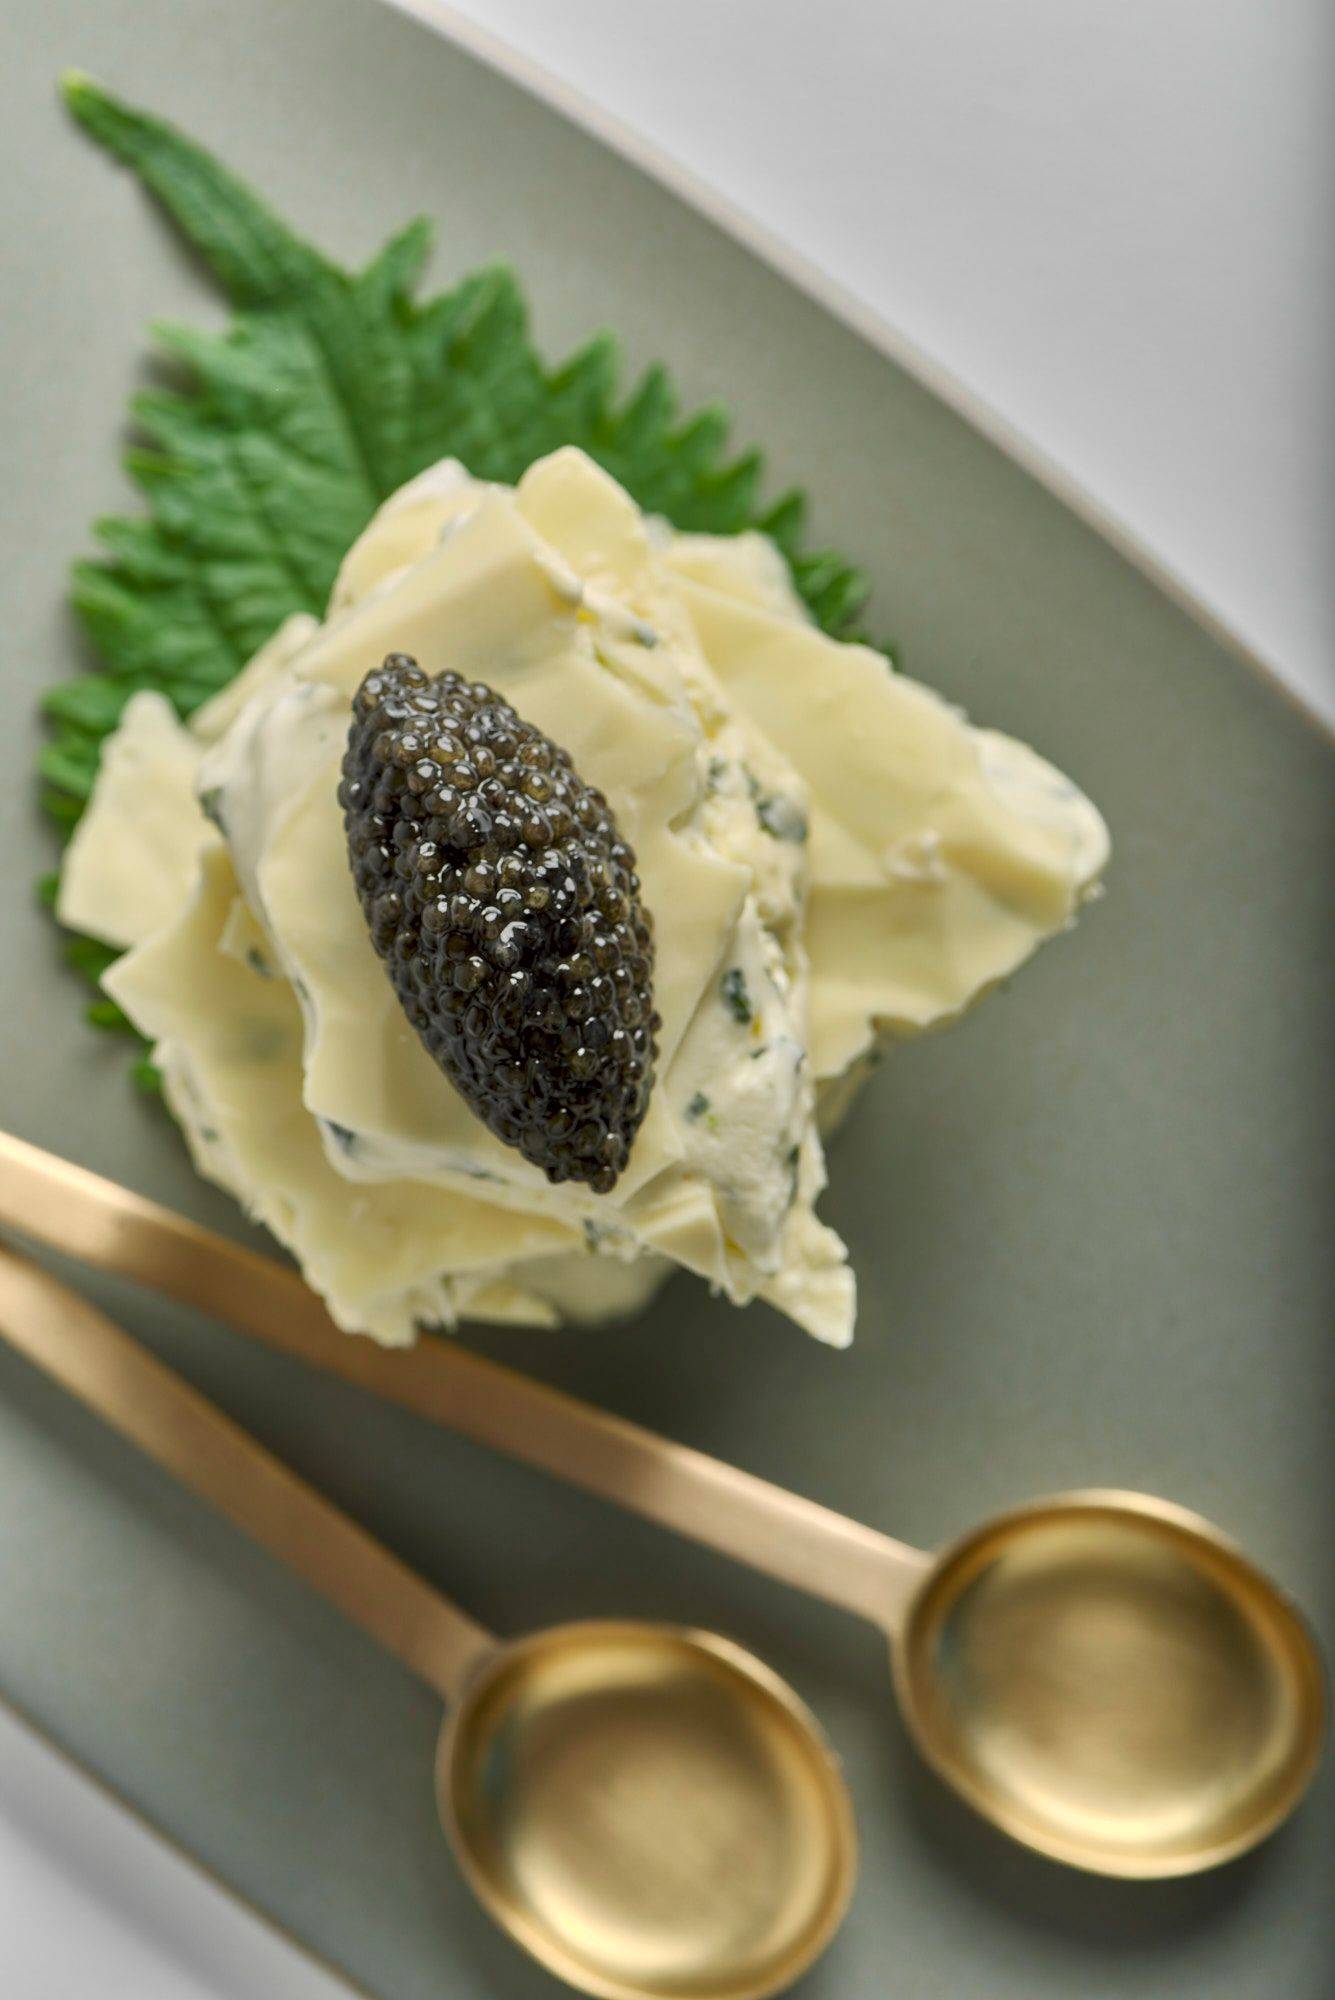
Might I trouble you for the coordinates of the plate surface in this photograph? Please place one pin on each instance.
(1091, 1224)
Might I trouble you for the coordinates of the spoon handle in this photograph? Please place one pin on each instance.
(133, 1392)
(779, 1533)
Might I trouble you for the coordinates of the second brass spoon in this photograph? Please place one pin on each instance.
(647, 1810)
(1103, 1675)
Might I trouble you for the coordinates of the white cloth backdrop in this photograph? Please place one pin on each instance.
(1110, 221)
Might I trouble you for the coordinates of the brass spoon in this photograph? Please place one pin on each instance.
(649, 1811)
(1103, 1675)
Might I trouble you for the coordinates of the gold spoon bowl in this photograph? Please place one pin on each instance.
(649, 1811)
(1113, 1683)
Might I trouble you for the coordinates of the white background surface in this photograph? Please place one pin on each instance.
(1110, 221)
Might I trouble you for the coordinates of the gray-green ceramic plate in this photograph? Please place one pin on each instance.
(1092, 1223)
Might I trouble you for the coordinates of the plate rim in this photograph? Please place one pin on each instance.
(526, 73)
(155, 1831)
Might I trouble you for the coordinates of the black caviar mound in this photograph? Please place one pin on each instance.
(505, 903)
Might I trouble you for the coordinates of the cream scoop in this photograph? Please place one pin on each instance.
(829, 852)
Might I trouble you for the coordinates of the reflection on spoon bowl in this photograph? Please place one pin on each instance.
(649, 1811)
(1111, 1681)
